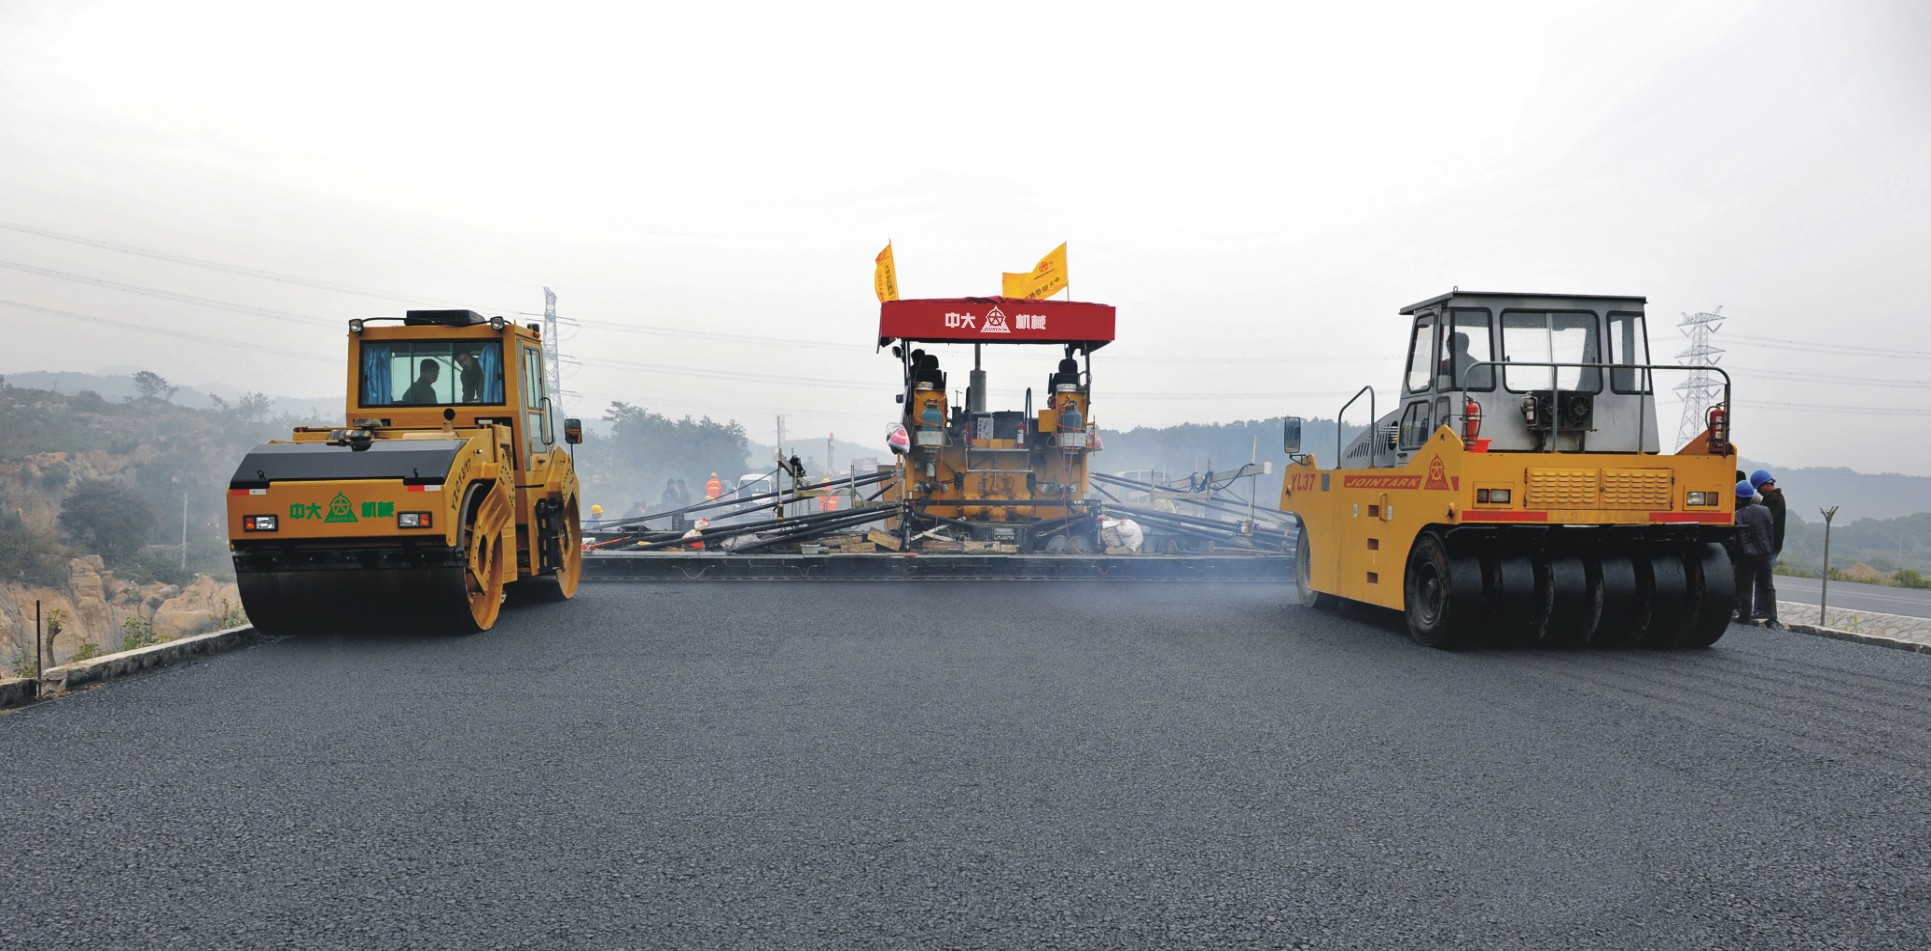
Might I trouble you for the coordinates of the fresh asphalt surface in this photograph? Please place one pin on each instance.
(959, 765)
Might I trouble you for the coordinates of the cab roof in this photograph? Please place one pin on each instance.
(1460, 295)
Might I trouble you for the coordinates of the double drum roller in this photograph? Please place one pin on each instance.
(446, 485)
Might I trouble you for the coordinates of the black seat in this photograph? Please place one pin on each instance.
(1068, 373)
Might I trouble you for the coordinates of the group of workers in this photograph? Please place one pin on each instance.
(1756, 545)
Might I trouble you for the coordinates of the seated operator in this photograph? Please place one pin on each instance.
(424, 389)
(1458, 360)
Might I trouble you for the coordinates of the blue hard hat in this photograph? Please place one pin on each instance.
(1761, 476)
(1745, 490)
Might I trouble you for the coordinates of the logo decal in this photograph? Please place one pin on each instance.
(1437, 475)
(995, 323)
(339, 510)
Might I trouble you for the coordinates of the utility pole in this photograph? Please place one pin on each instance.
(184, 527)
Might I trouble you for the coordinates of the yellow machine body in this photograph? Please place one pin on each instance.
(1012, 476)
(432, 497)
(1533, 506)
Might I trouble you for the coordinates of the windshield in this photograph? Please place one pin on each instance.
(431, 372)
(1557, 337)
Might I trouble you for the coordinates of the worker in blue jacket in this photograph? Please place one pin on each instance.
(1756, 557)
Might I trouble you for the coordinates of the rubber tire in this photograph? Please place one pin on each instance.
(1713, 595)
(1669, 601)
(1624, 611)
(1442, 595)
(1511, 599)
(1569, 602)
(1304, 589)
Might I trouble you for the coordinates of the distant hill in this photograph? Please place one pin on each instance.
(1857, 495)
(117, 383)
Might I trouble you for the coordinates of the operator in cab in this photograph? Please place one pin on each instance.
(423, 391)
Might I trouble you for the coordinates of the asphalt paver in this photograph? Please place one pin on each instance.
(974, 765)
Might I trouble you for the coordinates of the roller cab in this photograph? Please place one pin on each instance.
(445, 484)
(1516, 492)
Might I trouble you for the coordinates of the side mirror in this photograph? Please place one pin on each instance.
(1291, 435)
(573, 431)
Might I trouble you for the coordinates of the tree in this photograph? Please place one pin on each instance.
(153, 386)
(108, 518)
(644, 449)
(253, 407)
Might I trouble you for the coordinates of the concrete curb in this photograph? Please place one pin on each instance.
(55, 681)
(1871, 639)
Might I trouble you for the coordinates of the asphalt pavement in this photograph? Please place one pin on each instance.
(974, 765)
(1855, 596)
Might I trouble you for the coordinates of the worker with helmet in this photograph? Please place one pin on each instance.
(1766, 486)
(713, 488)
(596, 515)
(1755, 558)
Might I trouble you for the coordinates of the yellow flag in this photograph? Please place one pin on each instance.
(1043, 281)
(885, 276)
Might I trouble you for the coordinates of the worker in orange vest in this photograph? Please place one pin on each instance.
(713, 488)
(829, 501)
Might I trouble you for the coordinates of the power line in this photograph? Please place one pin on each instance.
(169, 295)
(1778, 343)
(207, 264)
(1827, 378)
(171, 333)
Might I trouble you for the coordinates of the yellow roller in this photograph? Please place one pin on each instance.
(447, 484)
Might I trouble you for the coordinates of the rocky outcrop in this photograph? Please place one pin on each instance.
(96, 607)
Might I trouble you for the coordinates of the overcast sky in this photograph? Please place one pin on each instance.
(1257, 189)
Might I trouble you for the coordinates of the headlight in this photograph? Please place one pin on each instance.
(355, 325)
(1493, 496)
(258, 523)
(412, 520)
(1703, 498)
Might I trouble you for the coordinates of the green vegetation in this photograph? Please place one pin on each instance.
(138, 632)
(642, 450)
(107, 517)
(1887, 547)
(158, 456)
(27, 555)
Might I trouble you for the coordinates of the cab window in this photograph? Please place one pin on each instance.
(1421, 354)
(1563, 337)
(1415, 428)
(1468, 342)
(536, 429)
(431, 373)
(1629, 346)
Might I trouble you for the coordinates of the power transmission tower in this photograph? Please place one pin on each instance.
(552, 357)
(1702, 390)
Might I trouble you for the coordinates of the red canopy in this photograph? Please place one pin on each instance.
(996, 320)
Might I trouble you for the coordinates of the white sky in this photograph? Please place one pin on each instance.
(1257, 189)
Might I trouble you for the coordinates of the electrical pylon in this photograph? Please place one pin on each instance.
(1700, 391)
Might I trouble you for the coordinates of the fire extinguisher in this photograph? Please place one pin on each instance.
(1719, 424)
(1471, 420)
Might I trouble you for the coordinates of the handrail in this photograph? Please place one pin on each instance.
(1462, 385)
(1373, 418)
